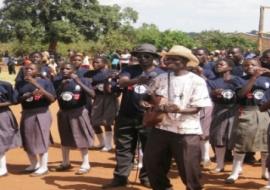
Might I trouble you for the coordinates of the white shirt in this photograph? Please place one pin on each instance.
(186, 91)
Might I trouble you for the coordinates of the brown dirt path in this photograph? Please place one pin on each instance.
(101, 172)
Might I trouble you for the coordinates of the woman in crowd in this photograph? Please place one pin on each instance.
(223, 95)
(249, 131)
(9, 131)
(74, 125)
(35, 95)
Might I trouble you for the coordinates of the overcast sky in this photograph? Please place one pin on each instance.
(198, 15)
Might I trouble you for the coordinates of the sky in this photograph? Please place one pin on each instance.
(198, 15)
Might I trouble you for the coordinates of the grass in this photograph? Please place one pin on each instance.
(4, 76)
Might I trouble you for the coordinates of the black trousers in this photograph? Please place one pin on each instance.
(127, 132)
(185, 149)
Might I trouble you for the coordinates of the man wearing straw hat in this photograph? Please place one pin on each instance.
(178, 135)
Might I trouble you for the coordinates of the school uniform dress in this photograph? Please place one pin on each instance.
(249, 132)
(74, 124)
(105, 105)
(9, 132)
(206, 113)
(266, 98)
(128, 125)
(223, 112)
(178, 135)
(36, 118)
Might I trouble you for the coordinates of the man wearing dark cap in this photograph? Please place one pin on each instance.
(134, 80)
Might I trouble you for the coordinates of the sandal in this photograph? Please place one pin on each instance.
(82, 171)
(62, 168)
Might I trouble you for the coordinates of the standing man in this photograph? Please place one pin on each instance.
(134, 80)
(182, 95)
(237, 55)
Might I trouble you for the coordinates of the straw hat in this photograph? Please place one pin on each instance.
(182, 51)
(145, 48)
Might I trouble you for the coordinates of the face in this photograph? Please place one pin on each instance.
(250, 66)
(30, 70)
(222, 67)
(98, 64)
(235, 54)
(265, 60)
(201, 55)
(77, 61)
(175, 63)
(67, 70)
(145, 59)
(36, 58)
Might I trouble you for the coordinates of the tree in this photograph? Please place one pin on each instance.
(50, 21)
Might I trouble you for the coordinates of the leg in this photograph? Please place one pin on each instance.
(264, 156)
(125, 145)
(100, 137)
(187, 155)
(205, 146)
(238, 158)
(43, 169)
(220, 153)
(34, 164)
(3, 165)
(108, 138)
(85, 166)
(155, 157)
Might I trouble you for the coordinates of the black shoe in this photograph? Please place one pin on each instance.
(250, 160)
(229, 181)
(115, 183)
(146, 183)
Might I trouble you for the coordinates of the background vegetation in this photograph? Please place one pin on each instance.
(86, 25)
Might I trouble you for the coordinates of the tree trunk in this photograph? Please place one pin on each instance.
(52, 46)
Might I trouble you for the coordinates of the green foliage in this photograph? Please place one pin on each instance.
(86, 25)
(219, 40)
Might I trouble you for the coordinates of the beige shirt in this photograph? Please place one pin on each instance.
(186, 91)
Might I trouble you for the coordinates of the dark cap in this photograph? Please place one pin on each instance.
(145, 48)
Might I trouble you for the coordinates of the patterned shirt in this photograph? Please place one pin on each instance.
(185, 91)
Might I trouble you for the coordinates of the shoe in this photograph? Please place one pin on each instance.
(115, 183)
(265, 177)
(4, 175)
(146, 183)
(28, 171)
(39, 174)
(205, 164)
(230, 181)
(106, 149)
(82, 171)
(62, 168)
(217, 170)
(250, 159)
(265, 188)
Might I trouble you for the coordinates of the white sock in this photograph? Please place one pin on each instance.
(220, 153)
(43, 163)
(238, 159)
(85, 158)
(140, 155)
(108, 141)
(3, 164)
(263, 162)
(65, 155)
(100, 138)
(205, 146)
(268, 184)
(34, 164)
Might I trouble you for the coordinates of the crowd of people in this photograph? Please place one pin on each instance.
(201, 99)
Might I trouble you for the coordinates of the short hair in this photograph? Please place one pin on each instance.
(205, 50)
(228, 61)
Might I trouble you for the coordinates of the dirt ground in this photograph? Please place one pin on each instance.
(102, 165)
